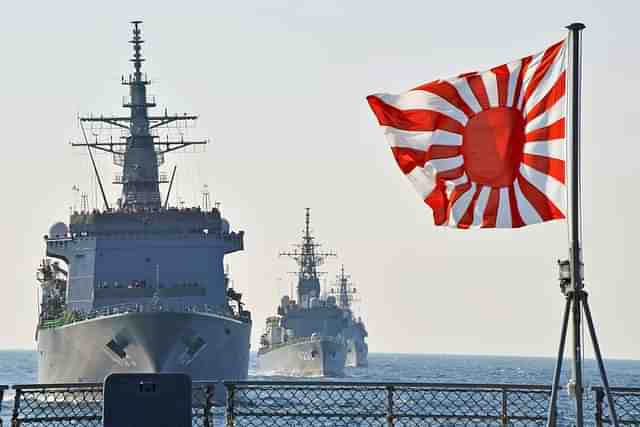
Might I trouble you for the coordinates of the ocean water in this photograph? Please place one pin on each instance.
(20, 367)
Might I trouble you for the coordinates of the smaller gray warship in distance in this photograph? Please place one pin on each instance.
(312, 336)
(140, 287)
(354, 331)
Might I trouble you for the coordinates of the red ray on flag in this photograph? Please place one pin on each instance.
(485, 149)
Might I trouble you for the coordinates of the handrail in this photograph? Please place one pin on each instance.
(339, 383)
(626, 401)
(267, 402)
(75, 403)
(263, 403)
(85, 385)
(74, 317)
(297, 340)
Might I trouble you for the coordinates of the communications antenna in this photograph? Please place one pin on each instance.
(345, 290)
(139, 149)
(309, 258)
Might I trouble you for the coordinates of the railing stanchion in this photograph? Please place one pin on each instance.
(2, 389)
(390, 415)
(505, 416)
(16, 408)
(599, 397)
(207, 405)
(230, 410)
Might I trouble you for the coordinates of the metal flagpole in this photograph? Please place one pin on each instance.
(575, 255)
(576, 295)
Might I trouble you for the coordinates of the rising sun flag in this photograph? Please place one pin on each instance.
(485, 149)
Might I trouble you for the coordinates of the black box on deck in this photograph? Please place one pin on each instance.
(147, 400)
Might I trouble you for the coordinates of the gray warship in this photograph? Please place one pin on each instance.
(140, 287)
(306, 337)
(354, 331)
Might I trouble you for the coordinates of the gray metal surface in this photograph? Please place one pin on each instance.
(150, 342)
(312, 357)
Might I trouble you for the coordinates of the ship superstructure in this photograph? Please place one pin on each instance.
(140, 286)
(305, 338)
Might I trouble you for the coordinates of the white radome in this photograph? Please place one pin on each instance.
(59, 229)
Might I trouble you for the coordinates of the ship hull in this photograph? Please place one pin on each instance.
(357, 354)
(206, 347)
(320, 357)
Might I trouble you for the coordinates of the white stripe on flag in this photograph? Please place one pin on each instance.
(461, 205)
(547, 82)
(514, 72)
(491, 85)
(441, 165)
(420, 140)
(554, 190)
(481, 205)
(453, 183)
(504, 210)
(421, 100)
(462, 86)
(552, 115)
(527, 212)
(423, 181)
(528, 75)
(553, 148)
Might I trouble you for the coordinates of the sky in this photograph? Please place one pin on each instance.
(280, 88)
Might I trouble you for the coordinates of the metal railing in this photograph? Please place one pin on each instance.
(73, 317)
(337, 403)
(384, 404)
(626, 401)
(3, 388)
(297, 340)
(81, 405)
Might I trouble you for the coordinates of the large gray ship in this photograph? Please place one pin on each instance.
(316, 334)
(141, 286)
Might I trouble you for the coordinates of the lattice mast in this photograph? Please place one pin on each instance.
(140, 152)
(345, 290)
(308, 258)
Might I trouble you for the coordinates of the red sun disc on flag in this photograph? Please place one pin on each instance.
(484, 149)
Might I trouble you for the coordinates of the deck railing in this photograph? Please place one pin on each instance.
(80, 404)
(321, 403)
(626, 401)
(384, 404)
(73, 317)
(312, 338)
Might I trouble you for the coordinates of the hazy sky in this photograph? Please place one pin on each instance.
(280, 87)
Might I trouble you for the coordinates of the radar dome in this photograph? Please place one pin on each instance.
(225, 225)
(59, 229)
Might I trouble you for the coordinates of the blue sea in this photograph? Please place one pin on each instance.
(20, 367)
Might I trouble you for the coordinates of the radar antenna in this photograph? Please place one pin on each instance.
(140, 150)
(345, 290)
(308, 258)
